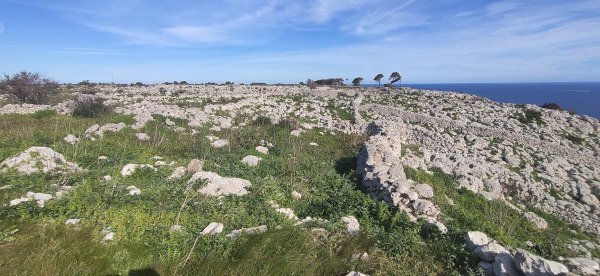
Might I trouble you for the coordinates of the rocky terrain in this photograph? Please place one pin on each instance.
(530, 159)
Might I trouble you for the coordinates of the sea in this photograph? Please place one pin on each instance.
(581, 97)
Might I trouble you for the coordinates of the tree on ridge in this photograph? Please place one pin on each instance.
(356, 81)
(395, 77)
(378, 78)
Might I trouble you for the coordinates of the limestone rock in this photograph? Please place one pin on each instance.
(195, 165)
(296, 195)
(475, 239)
(213, 228)
(352, 225)
(142, 136)
(287, 212)
(40, 159)
(583, 266)
(40, 199)
(538, 221)
(504, 265)
(219, 143)
(71, 139)
(177, 173)
(133, 190)
(424, 191)
(251, 160)
(72, 221)
(489, 251)
(262, 149)
(248, 231)
(217, 185)
(530, 264)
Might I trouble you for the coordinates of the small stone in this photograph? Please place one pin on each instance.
(142, 136)
(71, 139)
(177, 173)
(213, 228)
(107, 178)
(296, 195)
(128, 169)
(72, 221)
(251, 160)
(352, 225)
(108, 237)
(133, 190)
(538, 221)
(355, 273)
(176, 228)
(195, 166)
(313, 144)
(289, 213)
(424, 191)
(360, 256)
(102, 157)
(219, 143)
(262, 149)
(168, 122)
(475, 239)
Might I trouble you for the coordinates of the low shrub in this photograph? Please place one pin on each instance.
(262, 121)
(43, 114)
(90, 107)
(552, 106)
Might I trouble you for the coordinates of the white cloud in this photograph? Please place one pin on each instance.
(501, 7)
(196, 33)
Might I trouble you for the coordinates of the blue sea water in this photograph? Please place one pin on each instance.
(581, 97)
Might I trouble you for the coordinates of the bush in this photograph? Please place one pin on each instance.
(43, 114)
(90, 107)
(28, 87)
(552, 106)
(531, 116)
(262, 121)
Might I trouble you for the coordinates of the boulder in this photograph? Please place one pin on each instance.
(475, 239)
(530, 264)
(195, 165)
(177, 173)
(251, 160)
(217, 185)
(262, 149)
(538, 221)
(489, 251)
(40, 159)
(424, 191)
(212, 229)
(504, 265)
(352, 225)
(583, 266)
(71, 139)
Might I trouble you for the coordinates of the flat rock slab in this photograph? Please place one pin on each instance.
(217, 185)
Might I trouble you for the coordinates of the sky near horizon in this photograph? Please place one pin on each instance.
(289, 41)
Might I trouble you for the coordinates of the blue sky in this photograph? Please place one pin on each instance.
(293, 40)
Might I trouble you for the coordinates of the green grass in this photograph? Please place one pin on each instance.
(34, 240)
(472, 212)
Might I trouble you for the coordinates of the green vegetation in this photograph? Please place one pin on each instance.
(34, 240)
(531, 116)
(575, 139)
(471, 212)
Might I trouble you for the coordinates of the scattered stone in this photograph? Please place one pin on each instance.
(160, 163)
(133, 190)
(176, 228)
(313, 144)
(71, 139)
(355, 273)
(40, 159)
(217, 185)
(476, 239)
(107, 178)
(583, 266)
(195, 166)
(108, 237)
(262, 149)
(248, 231)
(215, 128)
(360, 256)
(102, 158)
(219, 143)
(538, 221)
(40, 198)
(489, 251)
(251, 160)
(177, 173)
(129, 169)
(352, 225)
(289, 213)
(424, 191)
(5, 187)
(72, 221)
(296, 195)
(297, 132)
(530, 264)
(504, 265)
(212, 229)
(168, 122)
(142, 136)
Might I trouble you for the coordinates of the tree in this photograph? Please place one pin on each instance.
(378, 78)
(395, 77)
(356, 81)
(28, 87)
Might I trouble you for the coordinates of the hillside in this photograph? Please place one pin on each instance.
(280, 180)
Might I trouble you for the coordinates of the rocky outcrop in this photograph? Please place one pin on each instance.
(39, 159)
(382, 172)
(217, 185)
